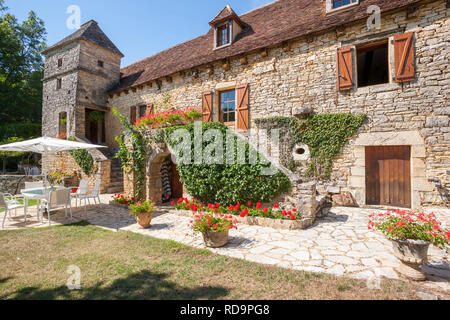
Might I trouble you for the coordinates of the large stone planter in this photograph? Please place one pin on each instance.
(144, 219)
(215, 239)
(412, 254)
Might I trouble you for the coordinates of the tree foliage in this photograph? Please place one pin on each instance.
(21, 71)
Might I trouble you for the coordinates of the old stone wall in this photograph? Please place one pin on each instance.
(64, 162)
(305, 75)
(12, 184)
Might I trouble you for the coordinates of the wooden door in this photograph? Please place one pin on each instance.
(177, 186)
(388, 176)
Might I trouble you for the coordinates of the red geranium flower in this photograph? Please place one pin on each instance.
(264, 210)
(276, 206)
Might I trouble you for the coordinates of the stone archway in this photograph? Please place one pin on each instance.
(154, 186)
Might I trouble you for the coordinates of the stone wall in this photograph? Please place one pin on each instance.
(306, 76)
(64, 162)
(12, 184)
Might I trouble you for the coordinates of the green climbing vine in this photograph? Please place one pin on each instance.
(83, 158)
(324, 134)
(132, 160)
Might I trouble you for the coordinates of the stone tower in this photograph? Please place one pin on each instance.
(79, 71)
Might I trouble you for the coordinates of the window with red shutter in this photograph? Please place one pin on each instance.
(404, 57)
(133, 115)
(207, 104)
(345, 68)
(242, 97)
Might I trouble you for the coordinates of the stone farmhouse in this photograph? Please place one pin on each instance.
(287, 58)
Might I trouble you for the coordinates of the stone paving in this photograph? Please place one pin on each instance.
(338, 244)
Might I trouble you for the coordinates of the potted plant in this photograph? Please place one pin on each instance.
(143, 212)
(214, 228)
(411, 235)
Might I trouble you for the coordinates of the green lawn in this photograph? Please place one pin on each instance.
(126, 265)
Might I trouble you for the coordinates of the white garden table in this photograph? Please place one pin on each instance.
(35, 194)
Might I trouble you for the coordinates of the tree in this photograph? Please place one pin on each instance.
(6, 154)
(21, 68)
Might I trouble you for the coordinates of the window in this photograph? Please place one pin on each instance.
(223, 35)
(228, 107)
(60, 62)
(62, 124)
(58, 84)
(342, 3)
(373, 66)
(100, 63)
(142, 111)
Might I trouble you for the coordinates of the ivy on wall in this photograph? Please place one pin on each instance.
(83, 158)
(324, 134)
(209, 183)
(132, 160)
(228, 183)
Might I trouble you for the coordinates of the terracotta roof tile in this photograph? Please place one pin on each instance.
(267, 26)
(89, 31)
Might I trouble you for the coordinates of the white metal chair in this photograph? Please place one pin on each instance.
(8, 202)
(56, 200)
(34, 185)
(82, 190)
(95, 195)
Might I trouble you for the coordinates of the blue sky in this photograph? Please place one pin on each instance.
(139, 28)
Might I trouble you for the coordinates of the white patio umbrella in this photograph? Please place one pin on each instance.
(47, 146)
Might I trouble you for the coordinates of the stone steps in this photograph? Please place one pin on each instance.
(116, 184)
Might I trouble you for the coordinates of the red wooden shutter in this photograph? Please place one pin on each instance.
(242, 106)
(404, 57)
(207, 106)
(150, 108)
(133, 115)
(345, 68)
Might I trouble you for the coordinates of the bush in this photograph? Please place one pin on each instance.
(228, 183)
(21, 130)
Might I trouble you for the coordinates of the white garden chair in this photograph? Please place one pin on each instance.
(82, 190)
(8, 203)
(95, 195)
(34, 185)
(57, 200)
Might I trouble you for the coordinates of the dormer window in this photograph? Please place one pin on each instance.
(223, 35)
(227, 25)
(337, 5)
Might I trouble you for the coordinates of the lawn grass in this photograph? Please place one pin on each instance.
(126, 265)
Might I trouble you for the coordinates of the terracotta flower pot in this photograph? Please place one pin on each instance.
(412, 254)
(144, 219)
(215, 239)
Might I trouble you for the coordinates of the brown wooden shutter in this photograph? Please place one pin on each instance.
(242, 106)
(133, 115)
(150, 108)
(345, 68)
(404, 57)
(207, 105)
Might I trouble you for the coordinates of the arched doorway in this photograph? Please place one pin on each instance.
(163, 177)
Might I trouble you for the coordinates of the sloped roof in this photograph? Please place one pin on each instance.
(90, 31)
(226, 14)
(267, 26)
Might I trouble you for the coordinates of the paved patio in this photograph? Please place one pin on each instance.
(339, 244)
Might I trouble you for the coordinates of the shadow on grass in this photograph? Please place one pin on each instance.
(144, 285)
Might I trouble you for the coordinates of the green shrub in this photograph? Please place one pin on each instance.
(83, 158)
(21, 130)
(228, 183)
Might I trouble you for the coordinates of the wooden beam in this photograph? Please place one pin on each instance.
(243, 60)
(286, 46)
(225, 65)
(169, 79)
